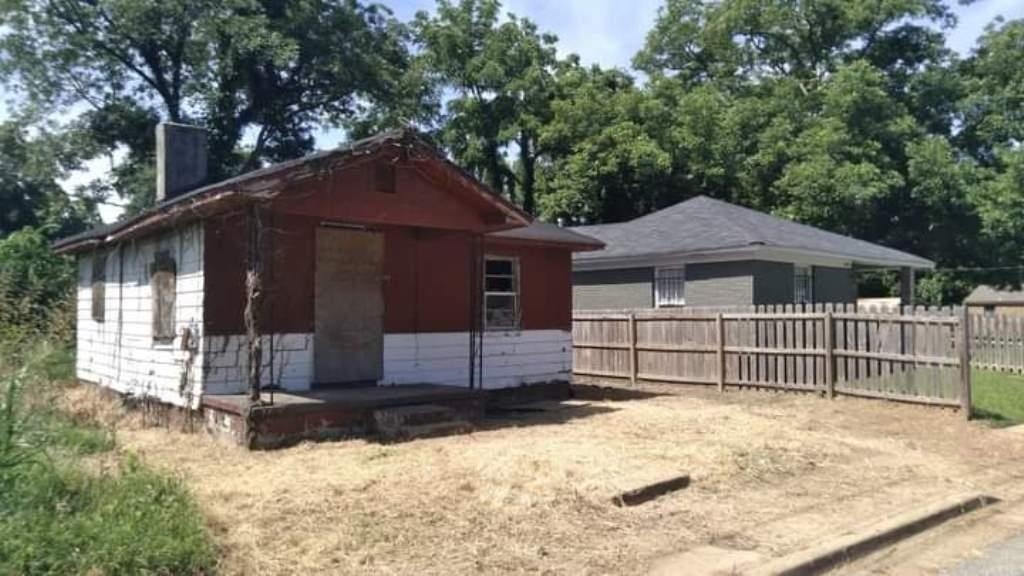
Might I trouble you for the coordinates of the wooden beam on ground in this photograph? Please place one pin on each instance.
(651, 491)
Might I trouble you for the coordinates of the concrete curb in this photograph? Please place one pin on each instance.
(846, 548)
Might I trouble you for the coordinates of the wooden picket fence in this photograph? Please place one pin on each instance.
(997, 342)
(914, 357)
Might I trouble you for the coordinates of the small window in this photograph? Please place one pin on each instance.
(670, 287)
(163, 282)
(99, 285)
(384, 177)
(803, 284)
(501, 293)
(990, 310)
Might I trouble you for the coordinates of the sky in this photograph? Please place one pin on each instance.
(609, 33)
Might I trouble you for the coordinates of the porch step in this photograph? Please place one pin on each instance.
(418, 421)
(434, 430)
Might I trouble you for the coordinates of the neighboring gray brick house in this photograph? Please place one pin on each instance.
(706, 252)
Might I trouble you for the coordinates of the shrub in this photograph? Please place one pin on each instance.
(58, 516)
(61, 520)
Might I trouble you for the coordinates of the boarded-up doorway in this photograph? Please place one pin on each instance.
(349, 306)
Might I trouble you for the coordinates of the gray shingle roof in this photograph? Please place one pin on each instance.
(703, 224)
(539, 231)
(985, 294)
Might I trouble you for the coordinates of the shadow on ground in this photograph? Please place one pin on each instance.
(540, 413)
(611, 393)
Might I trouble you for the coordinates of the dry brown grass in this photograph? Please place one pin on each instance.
(771, 473)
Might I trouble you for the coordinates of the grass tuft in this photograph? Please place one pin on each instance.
(59, 519)
(59, 515)
(998, 397)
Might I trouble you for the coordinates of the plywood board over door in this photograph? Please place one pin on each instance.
(349, 306)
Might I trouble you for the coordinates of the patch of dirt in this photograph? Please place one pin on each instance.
(771, 473)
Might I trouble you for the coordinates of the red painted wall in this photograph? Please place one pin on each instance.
(426, 269)
(352, 195)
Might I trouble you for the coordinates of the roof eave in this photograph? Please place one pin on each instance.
(751, 252)
(270, 180)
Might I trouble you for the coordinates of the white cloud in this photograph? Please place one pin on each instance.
(973, 18)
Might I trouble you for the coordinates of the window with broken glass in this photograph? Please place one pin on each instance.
(501, 293)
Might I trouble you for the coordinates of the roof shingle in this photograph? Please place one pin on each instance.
(703, 224)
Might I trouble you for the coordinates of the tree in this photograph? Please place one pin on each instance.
(270, 69)
(837, 113)
(34, 283)
(993, 103)
(601, 164)
(29, 193)
(500, 77)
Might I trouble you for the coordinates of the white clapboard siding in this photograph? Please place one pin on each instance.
(509, 358)
(120, 352)
(287, 363)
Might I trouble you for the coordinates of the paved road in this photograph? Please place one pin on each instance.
(1003, 559)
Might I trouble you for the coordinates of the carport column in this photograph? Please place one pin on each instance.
(907, 286)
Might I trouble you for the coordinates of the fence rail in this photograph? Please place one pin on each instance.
(997, 343)
(828, 349)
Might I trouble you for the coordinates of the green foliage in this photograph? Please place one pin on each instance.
(63, 520)
(851, 115)
(500, 77)
(29, 194)
(58, 516)
(275, 68)
(604, 165)
(35, 289)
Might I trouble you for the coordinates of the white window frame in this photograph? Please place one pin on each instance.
(802, 271)
(515, 294)
(675, 272)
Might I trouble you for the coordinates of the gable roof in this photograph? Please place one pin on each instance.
(990, 295)
(208, 199)
(705, 226)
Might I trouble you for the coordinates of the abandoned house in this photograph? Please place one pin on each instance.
(379, 263)
(706, 252)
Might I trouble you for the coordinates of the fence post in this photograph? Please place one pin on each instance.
(720, 352)
(965, 362)
(632, 348)
(830, 369)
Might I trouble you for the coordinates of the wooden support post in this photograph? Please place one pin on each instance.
(632, 349)
(830, 365)
(254, 304)
(965, 362)
(720, 352)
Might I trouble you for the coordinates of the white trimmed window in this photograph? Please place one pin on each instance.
(501, 293)
(670, 286)
(803, 284)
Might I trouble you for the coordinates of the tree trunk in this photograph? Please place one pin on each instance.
(254, 303)
(529, 163)
(494, 175)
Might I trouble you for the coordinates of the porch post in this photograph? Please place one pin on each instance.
(907, 286)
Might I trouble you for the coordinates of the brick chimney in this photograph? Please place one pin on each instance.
(180, 159)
